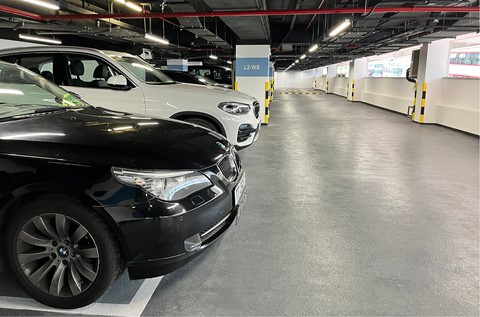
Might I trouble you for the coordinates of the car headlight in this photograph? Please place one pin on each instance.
(166, 185)
(234, 107)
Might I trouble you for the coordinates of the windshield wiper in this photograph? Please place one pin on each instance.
(49, 109)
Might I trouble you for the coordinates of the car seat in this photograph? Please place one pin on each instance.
(101, 75)
(48, 75)
(77, 69)
(34, 69)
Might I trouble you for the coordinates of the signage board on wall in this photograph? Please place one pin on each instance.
(252, 67)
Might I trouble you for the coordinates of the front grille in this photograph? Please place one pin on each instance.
(256, 109)
(228, 167)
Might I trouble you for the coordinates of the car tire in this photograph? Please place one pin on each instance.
(62, 252)
(203, 123)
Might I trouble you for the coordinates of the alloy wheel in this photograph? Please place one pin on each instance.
(57, 254)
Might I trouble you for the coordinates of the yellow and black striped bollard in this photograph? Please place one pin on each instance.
(267, 101)
(424, 102)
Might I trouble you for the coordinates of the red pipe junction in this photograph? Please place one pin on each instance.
(249, 13)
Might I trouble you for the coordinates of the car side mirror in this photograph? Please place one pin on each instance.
(118, 82)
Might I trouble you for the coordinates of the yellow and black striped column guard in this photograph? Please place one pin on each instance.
(424, 102)
(271, 90)
(235, 85)
(326, 86)
(414, 101)
(267, 101)
(353, 89)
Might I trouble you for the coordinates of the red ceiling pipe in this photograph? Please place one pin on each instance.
(259, 13)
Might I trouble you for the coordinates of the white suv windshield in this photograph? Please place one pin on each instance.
(24, 92)
(143, 70)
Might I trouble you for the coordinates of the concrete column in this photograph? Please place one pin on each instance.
(330, 80)
(357, 74)
(252, 74)
(432, 68)
(177, 64)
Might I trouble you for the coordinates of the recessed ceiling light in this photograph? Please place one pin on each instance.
(303, 56)
(213, 56)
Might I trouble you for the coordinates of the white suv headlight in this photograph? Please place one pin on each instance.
(164, 184)
(234, 107)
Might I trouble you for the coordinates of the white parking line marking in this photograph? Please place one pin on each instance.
(135, 308)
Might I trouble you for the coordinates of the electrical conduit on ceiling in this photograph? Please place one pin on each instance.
(426, 9)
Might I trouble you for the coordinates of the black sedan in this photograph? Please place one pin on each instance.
(86, 192)
(192, 78)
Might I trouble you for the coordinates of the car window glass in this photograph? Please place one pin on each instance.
(185, 78)
(89, 71)
(41, 64)
(142, 70)
(221, 75)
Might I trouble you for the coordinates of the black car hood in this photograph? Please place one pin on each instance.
(96, 136)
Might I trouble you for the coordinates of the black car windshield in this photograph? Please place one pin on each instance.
(24, 92)
(142, 70)
(206, 80)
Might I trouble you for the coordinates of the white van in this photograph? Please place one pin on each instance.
(127, 83)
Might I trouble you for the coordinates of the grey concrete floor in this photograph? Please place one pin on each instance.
(352, 210)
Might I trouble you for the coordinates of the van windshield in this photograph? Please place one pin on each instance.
(23, 92)
(142, 70)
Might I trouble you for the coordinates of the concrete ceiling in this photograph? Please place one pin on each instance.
(289, 35)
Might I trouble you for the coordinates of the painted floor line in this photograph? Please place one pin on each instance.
(135, 308)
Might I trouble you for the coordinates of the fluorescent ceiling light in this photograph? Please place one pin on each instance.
(121, 1)
(134, 6)
(39, 39)
(342, 26)
(152, 37)
(313, 48)
(213, 56)
(46, 4)
(297, 61)
(303, 56)
(229, 62)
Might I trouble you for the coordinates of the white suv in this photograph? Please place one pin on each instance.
(124, 82)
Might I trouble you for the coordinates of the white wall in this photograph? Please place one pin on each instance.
(459, 104)
(390, 93)
(340, 86)
(4, 44)
(294, 79)
(320, 83)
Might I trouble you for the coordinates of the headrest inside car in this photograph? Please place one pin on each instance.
(101, 71)
(77, 68)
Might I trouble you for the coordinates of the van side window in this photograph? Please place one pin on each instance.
(88, 71)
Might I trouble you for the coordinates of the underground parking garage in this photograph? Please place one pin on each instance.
(252, 158)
